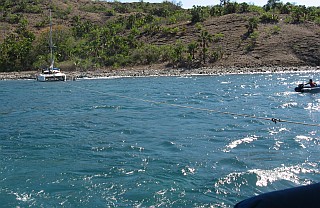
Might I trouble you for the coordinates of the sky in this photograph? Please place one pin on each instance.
(189, 3)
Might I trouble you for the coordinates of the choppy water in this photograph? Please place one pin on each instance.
(129, 143)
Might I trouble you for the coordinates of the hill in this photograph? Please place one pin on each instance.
(96, 34)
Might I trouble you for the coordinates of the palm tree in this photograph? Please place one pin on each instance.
(204, 39)
(192, 47)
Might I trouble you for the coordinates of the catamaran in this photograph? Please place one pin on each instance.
(51, 73)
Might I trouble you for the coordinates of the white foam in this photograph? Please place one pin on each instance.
(236, 143)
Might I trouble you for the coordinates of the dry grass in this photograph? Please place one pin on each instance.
(277, 45)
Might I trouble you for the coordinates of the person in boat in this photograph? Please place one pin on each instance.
(311, 83)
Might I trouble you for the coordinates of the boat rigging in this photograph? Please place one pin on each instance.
(51, 73)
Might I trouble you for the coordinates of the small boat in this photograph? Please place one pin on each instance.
(297, 197)
(51, 73)
(303, 88)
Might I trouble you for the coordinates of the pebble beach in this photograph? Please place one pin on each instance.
(155, 71)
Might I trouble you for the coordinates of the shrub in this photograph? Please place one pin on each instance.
(267, 17)
(218, 36)
(317, 20)
(252, 41)
(275, 29)
(216, 10)
(253, 8)
(14, 18)
(216, 55)
(43, 23)
(252, 24)
(147, 54)
(33, 9)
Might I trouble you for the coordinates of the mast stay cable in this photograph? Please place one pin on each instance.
(275, 120)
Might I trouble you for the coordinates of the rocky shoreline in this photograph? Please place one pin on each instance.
(155, 71)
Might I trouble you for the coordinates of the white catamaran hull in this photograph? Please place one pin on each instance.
(52, 77)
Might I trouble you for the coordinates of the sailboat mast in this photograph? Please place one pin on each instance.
(50, 42)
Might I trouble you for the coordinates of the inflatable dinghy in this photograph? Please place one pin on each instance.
(299, 197)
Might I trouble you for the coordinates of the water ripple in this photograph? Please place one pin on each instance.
(238, 142)
(111, 147)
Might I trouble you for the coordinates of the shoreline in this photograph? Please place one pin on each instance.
(159, 71)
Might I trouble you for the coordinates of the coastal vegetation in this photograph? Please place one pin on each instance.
(98, 34)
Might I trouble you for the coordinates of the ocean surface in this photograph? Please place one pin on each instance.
(195, 141)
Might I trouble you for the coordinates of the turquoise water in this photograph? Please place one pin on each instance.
(155, 141)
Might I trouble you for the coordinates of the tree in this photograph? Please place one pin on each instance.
(16, 50)
(243, 7)
(192, 47)
(298, 13)
(231, 7)
(216, 10)
(178, 49)
(81, 28)
(204, 39)
(285, 8)
(198, 14)
(224, 2)
(272, 5)
(267, 17)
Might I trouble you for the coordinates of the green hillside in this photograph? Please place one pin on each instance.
(96, 34)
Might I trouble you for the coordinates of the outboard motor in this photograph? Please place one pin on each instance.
(299, 88)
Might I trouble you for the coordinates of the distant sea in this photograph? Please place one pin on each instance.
(195, 141)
